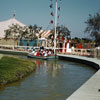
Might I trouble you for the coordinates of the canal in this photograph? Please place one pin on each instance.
(52, 80)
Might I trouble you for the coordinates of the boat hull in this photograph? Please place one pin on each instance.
(42, 57)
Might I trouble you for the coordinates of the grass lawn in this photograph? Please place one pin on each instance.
(13, 69)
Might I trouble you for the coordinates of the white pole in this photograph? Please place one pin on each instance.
(55, 28)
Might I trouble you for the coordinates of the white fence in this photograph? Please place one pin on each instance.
(95, 52)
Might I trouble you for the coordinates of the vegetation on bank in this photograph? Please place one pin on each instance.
(13, 69)
(93, 27)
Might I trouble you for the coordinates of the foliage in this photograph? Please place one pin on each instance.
(13, 69)
(93, 27)
(81, 40)
(62, 31)
(33, 31)
(16, 31)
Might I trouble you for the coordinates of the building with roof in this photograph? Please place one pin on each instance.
(4, 25)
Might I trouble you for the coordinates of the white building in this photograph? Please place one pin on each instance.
(4, 25)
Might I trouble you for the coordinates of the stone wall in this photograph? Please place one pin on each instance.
(8, 42)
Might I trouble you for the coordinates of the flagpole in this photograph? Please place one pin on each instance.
(55, 28)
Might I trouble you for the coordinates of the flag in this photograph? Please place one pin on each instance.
(52, 13)
(51, 21)
(14, 14)
(51, 6)
(58, 16)
(59, 8)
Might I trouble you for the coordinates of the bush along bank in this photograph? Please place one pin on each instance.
(13, 69)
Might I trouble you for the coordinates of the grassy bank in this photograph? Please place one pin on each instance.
(13, 69)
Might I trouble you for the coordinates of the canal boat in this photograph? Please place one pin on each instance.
(42, 57)
(54, 48)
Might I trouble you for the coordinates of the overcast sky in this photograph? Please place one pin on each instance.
(73, 13)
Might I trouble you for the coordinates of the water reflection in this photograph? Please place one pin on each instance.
(51, 67)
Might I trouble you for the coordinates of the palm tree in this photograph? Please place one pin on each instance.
(32, 34)
(33, 31)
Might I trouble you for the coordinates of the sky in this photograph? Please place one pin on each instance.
(73, 13)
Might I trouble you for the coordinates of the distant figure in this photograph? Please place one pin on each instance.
(72, 48)
(41, 48)
(38, 53)
(45, 53)
(33, 51)
(49, 52)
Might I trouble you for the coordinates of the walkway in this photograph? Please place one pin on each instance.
(90, 89)
(5, 51)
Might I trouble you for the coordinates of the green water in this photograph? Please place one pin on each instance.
(52, 80)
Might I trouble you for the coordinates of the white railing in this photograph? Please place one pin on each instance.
(83, 52)
(95, 52)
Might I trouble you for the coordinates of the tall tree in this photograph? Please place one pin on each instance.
(15, 31)
(61, 31)
(33, 31)
(93, 27)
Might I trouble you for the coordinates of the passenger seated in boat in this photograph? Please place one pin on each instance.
(41, 48)
(41, 52)
(38, 53)
(50, 52)
(45, 54)
(33, 51)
